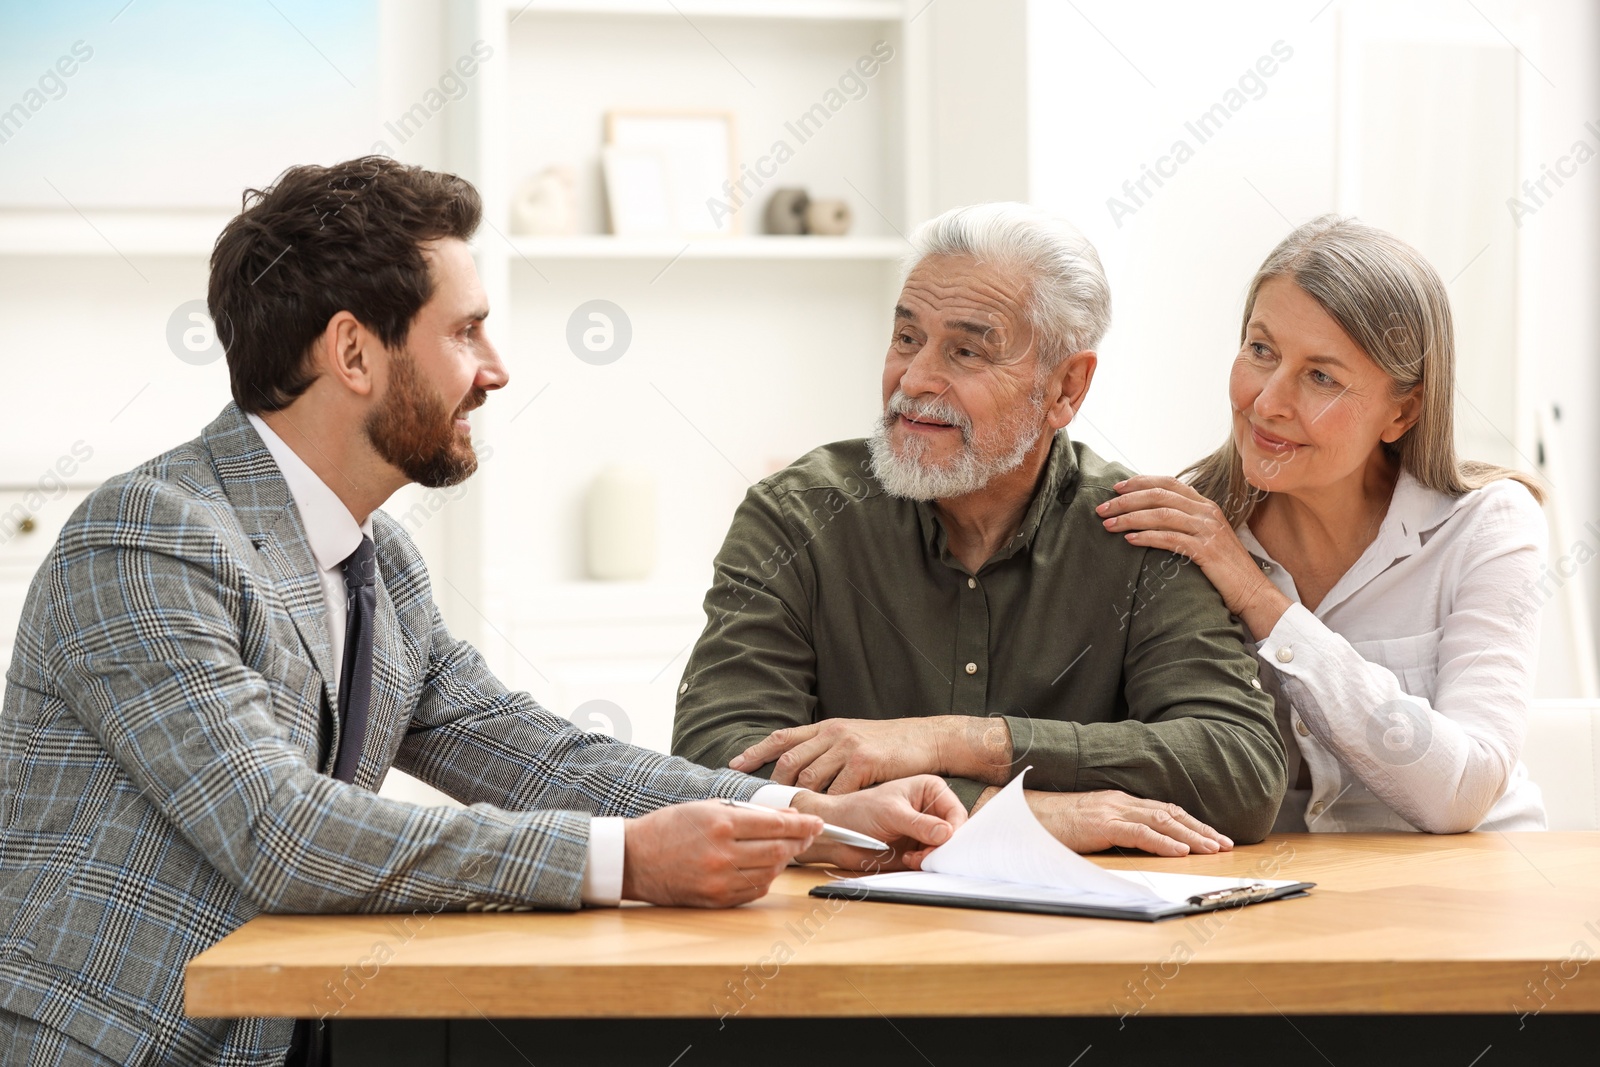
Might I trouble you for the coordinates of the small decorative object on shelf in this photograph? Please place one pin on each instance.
(675, 167)
(620, 524)
(791, 211)
(546, 205)
(786, 211)
(829, 218)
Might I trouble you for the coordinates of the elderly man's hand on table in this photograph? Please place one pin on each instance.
(1109, 818)
(844, 755)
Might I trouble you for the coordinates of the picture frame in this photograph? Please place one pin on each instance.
(638, 192)
(696, 155)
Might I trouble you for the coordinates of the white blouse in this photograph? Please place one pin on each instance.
(1406, 692)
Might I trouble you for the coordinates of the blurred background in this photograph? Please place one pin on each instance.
(663, 359)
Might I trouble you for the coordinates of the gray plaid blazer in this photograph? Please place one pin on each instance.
(160, 782)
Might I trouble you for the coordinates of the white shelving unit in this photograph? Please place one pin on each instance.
(765, 247)
(28, 530)
(831, 10)
(747, 350)
(687, 400)
(109, 233)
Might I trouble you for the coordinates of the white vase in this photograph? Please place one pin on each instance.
(547, 203)
(620, 524)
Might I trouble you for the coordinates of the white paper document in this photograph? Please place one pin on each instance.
(1004, 853)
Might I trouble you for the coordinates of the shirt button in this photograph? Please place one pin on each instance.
(1285, 654)
(972, 668)
(1266, 568)
(1318, 808)
(1301, 728)
(682, 689)
(972, 583)
(1256, 682)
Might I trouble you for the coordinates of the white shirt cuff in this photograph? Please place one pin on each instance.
(602, 870)
(1294, 645)
(776, 796)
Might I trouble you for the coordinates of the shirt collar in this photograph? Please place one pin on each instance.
(1418, 511)
(1058, 482)
(331, 530)
(1414, 513)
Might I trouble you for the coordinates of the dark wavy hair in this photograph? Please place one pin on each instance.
(320, 240)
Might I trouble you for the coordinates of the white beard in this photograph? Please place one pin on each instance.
(909, 474)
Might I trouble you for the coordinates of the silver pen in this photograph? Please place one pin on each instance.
(830, 832)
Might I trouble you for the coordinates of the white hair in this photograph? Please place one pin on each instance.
(1069, 302)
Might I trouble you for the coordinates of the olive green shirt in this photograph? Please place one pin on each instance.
(1113, 666)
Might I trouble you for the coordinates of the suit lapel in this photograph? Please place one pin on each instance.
(260, 497)
(296, 580)
(390, 684)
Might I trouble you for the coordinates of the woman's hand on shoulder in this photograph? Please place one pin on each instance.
(1154, 511)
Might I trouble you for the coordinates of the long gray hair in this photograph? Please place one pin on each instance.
(1389, 299)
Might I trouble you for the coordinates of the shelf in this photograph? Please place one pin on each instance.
(180, 233)
(110, 233)
(668, 248)
(834, 10)
(128, 233)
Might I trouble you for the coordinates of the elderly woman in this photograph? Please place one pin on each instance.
(1379, 574)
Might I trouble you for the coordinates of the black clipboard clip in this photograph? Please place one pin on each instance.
(1243, 894)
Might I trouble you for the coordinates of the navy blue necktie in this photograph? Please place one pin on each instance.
(308, 1043)
(355, 679)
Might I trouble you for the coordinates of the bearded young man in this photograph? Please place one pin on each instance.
(230, 646)
(944, 599)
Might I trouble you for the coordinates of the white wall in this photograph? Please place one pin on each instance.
(979, 106)
(83, 338)
(1109, 97)
(1062, 106)
(1562, 270)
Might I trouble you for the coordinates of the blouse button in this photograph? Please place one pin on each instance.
(972, 583)
(1301, 728)
(1285, 654)
(1318, 808)
(972, 668)
(1256, 682)
(682, 689)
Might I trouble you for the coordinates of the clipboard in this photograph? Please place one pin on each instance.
(1236, 896)
(1003, 859)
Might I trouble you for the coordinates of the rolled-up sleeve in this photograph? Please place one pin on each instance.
(1199, 731)
(754, 668)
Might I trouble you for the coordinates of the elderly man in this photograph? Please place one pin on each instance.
(943, 598)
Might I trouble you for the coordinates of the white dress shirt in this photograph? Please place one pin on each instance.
(330, 530)
(1406, 691)
(333, 534)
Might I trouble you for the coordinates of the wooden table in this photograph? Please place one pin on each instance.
(1493, 925)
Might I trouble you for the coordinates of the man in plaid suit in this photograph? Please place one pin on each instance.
(229, 647)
